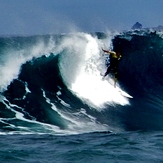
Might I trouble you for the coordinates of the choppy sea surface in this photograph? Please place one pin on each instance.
(91, 147)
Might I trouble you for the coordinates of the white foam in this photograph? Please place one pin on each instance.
(81, 67)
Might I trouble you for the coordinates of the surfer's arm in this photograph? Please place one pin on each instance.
(108, 51)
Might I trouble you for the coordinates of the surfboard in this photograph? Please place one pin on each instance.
(117, 87)
(125, 94)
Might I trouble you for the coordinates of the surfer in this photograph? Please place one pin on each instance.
(114, 58)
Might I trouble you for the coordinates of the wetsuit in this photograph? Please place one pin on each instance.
(114, 59)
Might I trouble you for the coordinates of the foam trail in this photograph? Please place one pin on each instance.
(82, 74)
(79, 122)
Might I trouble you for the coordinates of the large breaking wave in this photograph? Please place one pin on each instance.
(52, 83)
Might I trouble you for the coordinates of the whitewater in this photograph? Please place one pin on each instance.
(53, 96)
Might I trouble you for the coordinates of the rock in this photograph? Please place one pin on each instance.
(137, 25)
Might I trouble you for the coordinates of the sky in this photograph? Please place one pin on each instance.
(30, 17)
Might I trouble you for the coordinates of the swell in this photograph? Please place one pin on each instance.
(42, 90)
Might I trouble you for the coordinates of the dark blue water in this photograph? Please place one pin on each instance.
(55, 107)
(91, 147)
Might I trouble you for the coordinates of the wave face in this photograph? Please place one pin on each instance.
(52, 84)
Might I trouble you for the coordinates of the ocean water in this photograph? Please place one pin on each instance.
(92, 147)
(55, 107)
